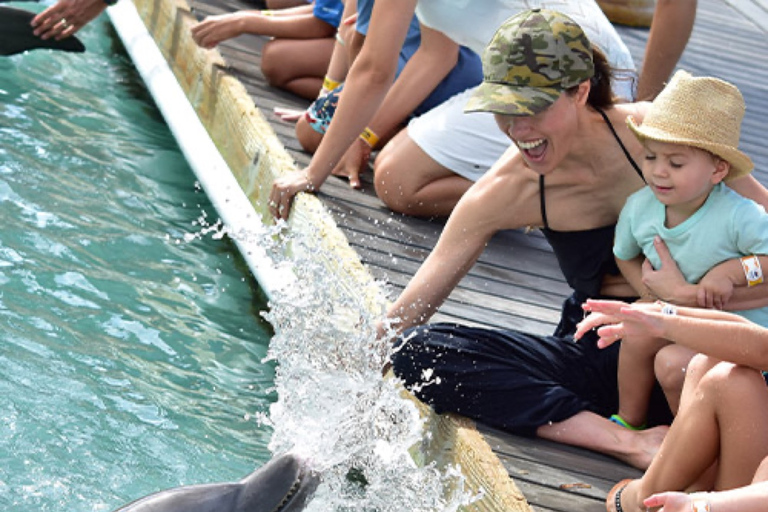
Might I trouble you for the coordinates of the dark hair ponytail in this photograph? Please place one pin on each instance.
(600, 94)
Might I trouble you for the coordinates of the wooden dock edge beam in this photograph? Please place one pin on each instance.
(255, 156)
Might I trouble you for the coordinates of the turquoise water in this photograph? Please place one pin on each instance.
(130, 359)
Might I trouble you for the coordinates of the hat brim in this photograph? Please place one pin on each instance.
(511, 100)
(741, 164)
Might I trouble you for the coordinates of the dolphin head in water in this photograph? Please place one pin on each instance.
(284, 484)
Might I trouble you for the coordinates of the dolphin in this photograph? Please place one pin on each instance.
(284, 484)
(16, 34)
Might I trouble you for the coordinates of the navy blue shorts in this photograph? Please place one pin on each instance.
(513, 380)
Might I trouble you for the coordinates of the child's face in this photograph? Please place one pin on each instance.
(681, 176)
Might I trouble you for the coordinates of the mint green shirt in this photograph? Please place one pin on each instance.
(727, 226)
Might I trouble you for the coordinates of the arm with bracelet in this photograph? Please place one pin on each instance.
(434, 59)
(366, 86)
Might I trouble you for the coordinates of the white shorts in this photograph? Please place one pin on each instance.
(468, 144)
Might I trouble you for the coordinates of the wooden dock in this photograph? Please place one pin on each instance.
(517, 283)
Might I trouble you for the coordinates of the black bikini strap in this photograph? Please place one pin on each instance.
(623, 148)
(632, 162)
(542, 202)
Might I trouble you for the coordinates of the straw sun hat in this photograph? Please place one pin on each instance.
(702, 112)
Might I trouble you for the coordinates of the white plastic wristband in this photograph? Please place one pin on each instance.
(700, 505)
(752, 270)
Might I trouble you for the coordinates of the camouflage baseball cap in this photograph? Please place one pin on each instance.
(533, 57)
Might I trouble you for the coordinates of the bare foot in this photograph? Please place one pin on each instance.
(645, 444)
(288, 115)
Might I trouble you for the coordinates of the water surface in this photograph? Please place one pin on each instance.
(131, 353)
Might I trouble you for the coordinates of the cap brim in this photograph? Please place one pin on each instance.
(741, 164)
(509, 100)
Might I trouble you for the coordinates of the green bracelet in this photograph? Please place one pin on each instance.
(110, 2)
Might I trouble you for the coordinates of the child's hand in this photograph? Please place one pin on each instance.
(714, 290)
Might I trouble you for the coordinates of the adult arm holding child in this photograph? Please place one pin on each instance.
(667, 283)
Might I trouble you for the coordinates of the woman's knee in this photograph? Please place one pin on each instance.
(388, 181)
(729, 381)
(401, 173)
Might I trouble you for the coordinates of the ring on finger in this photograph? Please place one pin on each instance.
(64, 23)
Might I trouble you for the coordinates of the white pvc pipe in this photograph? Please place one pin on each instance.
(201, 153)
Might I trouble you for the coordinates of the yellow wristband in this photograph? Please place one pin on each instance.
(330, 84)
(266, 13)
(369, 137)
(752, 270)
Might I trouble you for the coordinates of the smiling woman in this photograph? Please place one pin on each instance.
(131, 350)
(577, 167)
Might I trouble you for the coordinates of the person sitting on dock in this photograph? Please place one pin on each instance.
(569, 172)
(465, 73)
(691, 136)
(425, 169)
(297, 57)
(718, 440)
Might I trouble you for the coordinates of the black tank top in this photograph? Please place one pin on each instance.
(585, 257)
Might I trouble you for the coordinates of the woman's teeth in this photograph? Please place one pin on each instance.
(530, 144)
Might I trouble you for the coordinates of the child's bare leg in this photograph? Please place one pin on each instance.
(690, 447)
(670, 367)
(636, 377)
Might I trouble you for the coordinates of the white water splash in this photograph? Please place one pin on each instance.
(334, 407)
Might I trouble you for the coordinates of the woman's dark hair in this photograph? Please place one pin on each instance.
(600, 94)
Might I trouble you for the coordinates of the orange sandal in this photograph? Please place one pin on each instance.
(614, 495)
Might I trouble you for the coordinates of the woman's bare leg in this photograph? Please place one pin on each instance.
(722, 418)
(593, 432)
(409, 181)
(297, 65)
